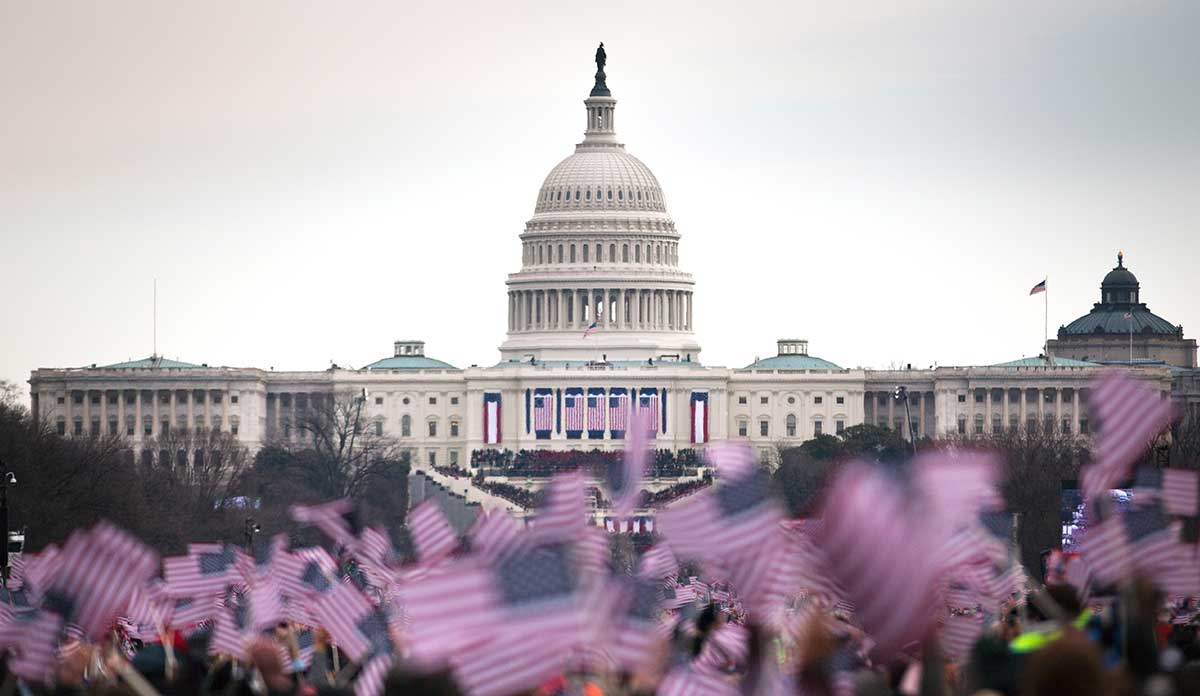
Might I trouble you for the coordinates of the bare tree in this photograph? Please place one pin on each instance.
(1038, 465)
(337, 452)
(332, 450)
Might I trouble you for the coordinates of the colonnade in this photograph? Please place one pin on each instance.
(619, 308)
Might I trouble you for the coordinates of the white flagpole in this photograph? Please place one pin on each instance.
(1046, 322)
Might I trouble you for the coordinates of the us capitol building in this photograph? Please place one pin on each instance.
(600, 318)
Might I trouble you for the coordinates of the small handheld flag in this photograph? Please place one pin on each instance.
(588, 331)
(1040, 287)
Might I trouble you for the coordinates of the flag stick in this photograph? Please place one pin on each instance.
(1046, 324)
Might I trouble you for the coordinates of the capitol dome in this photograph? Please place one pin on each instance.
(600, 277)
(600, 178)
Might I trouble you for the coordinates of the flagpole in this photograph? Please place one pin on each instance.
(1046, 322)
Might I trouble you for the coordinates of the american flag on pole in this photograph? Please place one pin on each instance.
(618, 413)
(491, 418)
(625, 477)
(543, 412)
(595, 413)
(733, 527)
(205, 571)
(573, 412)
(590, 329)
(34, 635)
(561, 517)
(1040, 287)
(1140, 539)
(496, 535)
(879, 552)
(232, 630)
(1180, 492)
(98, 572)
(536, 608)
(431, 532)
(184, 612)
(337, 519)
(959, 633)
(1130, 417)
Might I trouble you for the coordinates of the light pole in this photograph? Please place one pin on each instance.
(901, 394)
(10, 479)
(248, 531)
(358, 401)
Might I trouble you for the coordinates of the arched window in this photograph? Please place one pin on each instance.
(576, 194)
(649, 257)
(539, 253)
(620, 195)
(639, 194)
(585, 253)
(625, 253)
(560, 194)
(588, 194)
(791, 425)
(433, 428)
(598, 256)
(560, 253)
(637, 254)
(572, 253)
(612, 253)
(405, 426)
(610, 194)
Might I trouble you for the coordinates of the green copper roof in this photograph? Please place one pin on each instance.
(792, 362)
(152, 362)
(410, 362)
(598, 364)
(1040, 361)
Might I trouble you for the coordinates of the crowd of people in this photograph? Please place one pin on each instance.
(545, 463)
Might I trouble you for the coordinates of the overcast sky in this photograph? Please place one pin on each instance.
(310, 180)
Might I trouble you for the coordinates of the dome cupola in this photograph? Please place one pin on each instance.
(600, 257)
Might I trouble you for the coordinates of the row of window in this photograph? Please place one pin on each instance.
(406, 427)
(163, 398)
(405, 400)
(764, 400)
(564, 194)
(131, 427)
(1048, 396)
(566, 253)
(1031, 425)
(764, 427)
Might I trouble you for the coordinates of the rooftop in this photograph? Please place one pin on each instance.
(152, 362)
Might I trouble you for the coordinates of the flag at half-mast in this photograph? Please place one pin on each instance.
(589, 330)
(1040, 287)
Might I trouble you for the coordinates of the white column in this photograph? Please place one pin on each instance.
(138, 426)
(690, 297)
(1005, 417)
(1057, 407)
(154, 410)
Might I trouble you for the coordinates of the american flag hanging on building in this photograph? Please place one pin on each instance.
(595, 413)
(573, 412)
(618, 413)
(491, 418)
(543, 413)
(699, 417)
(648, 409)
